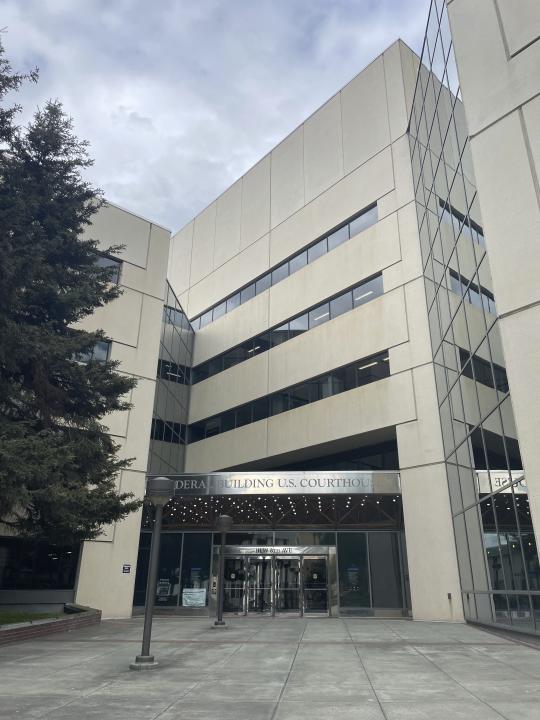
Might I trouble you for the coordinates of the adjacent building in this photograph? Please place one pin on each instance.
(340, 354)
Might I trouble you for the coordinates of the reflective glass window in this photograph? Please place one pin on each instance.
(212, 427)
(101, 351)
(196, 323)
(368, 291)
(195, 570)
(233, 302)
(280, 273)
(234, 356)
(319, 315)
(247, 293)
(384, 563)
(219, 310)
(260, 409)
(200, 372)
(263, 283)
(206, 318)
(228, 420)
(353, 572)
(279, 334)
(243, 415)
(301, 395)
(112, 265)
(338, 237)
(168, 583)
(315, 251)
(299, 325)
(364, 221)
(279, 402)
(297, 262)
(341, 304)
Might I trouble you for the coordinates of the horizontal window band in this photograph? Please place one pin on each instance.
(348, 229)
(348, 377)
(329, 309)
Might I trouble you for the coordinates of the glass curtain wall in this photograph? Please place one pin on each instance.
(168, 433)
(496, 547)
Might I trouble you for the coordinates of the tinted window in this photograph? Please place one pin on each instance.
(298, 325)
(367, 291)
(280, 273)
(247, 293)
(341, 304)
(279, 334)
(212, 427)
(112, 265)
(315, 251)
(196, 323)
(243, 415)
(301, 395)
(101, 351)
(234, 356)
(215, 365)
(297, 262)
(363, 221)
(200, 373)
(260, 409)
(233, 302)
(319, 315)
(279, 402)
(219, 310)
(263, 284)
(206, 318)
(338, 237)
(227, 421)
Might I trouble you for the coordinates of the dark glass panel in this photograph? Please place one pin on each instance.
(368, 218)
(195, 569)
(36, 565)
(260, 409)
(319, 315)
(298, 325)
(279, 335)
(219, 310)
(353, 572)
(338, 237)
(279, 402)
(341, 304)
(168, 582)
(297, 262)
(317, 250)
(247, 293)
(200, 373)
(235, 356)
(228, 420)
(280, 273)
(233, 302)
(385, 568)
(368, 291)
(212, 427)
(243, 415)
(263, 283)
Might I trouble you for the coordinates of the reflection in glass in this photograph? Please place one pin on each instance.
(353, 572)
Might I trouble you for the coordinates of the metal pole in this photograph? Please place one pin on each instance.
(145, 658)
(220, 620)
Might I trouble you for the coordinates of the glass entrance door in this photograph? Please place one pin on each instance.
(287, 585)
(259, 585)
(315, 585)
(233, 586)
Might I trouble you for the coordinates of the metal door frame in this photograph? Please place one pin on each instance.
(325, 613)
(245, 552)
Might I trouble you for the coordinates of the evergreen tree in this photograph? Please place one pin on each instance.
(58, 465)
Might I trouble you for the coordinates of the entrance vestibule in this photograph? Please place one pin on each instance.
(272, 581)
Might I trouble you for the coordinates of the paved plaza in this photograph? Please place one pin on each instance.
(273, 669)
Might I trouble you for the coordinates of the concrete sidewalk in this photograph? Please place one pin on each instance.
(278, 669)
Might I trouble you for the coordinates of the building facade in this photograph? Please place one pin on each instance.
(335, 358)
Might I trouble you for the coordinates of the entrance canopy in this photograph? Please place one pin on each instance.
(286, 499)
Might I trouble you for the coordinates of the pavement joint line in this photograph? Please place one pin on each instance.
(483, 702)
(369, 679)
(276, 708)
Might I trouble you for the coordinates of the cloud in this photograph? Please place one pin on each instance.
(178, 98)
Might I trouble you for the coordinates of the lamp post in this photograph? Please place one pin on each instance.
(158, 491)
(223, 523)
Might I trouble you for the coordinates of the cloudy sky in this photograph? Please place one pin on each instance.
(178, 98)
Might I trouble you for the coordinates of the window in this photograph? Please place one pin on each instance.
(297, 262)
(263, 284)
(99, 353)
(341, 304)
(319, 315)
(280, 273)
(480, 297)
(298, 325)
(113, 265)
(452, 216)
(172, 316)
(168, 431)
(363, 221)
(362, 293)
(219, 310)
(173, 372)
(338, 237)
(340, 380)
(233, 302)
(482, 371)
(317, 250)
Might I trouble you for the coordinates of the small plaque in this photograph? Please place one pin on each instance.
(126, 568)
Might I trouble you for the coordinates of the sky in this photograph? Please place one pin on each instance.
(179, 98)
